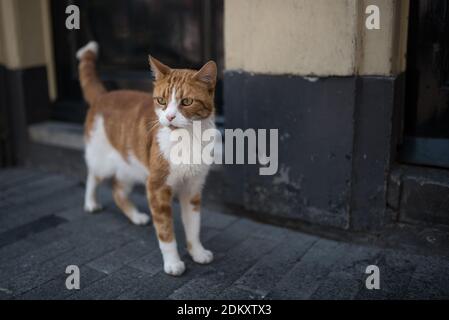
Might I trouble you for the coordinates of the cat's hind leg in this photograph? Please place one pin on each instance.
(121, 191)
(90, 200)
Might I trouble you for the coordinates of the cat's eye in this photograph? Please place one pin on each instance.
(186, 101)
(161, 101)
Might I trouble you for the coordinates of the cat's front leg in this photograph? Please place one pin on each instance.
(191, 217)
(160, 198)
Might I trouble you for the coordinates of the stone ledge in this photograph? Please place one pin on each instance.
(420, 194)
(60, 134)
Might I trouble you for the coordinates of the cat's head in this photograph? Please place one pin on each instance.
(182, 96)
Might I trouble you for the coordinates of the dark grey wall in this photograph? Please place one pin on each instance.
(377, 123)
(336, 137)
(23, 99)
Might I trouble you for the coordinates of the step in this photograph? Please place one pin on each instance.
(59, 134)
(420, 194)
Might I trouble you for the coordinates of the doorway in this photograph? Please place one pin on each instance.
(179, 33)
(426, 127)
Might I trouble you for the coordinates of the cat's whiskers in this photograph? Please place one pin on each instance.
(151, 125)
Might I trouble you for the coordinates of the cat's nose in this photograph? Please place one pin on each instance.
(170, 117)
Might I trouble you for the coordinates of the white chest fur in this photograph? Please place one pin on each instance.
(188, 172)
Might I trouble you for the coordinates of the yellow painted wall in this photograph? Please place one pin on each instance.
(25, 36)
(300, 37)
(314, 37)
(383, 52)
(22, 33)
(2, 41)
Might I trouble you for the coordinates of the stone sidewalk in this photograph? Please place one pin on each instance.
(43, 229)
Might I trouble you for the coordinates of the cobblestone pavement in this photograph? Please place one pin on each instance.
(43, 229)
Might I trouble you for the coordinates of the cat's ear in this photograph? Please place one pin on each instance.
(207, 74)
(159, 69)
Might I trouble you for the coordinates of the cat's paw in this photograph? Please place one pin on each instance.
(174, 268)
(92, 207)
(140, 219)
(202, 256)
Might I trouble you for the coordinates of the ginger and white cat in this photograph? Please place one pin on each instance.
(127, 136)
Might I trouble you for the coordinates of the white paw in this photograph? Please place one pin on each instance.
(202, 256)
(174, 268)
(140, 219)
(92, 207)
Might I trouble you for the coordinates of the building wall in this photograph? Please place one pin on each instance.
(313, 37)
(2, 47)
(311, 69)
(22, 33)
(25, 59)
(290, 37)
(25, 37)
(383, 52)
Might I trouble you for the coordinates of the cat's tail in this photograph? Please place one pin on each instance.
(91, 84)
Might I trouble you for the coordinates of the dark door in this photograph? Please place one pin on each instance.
(426, 140)
(181, 33)
(6, 143)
